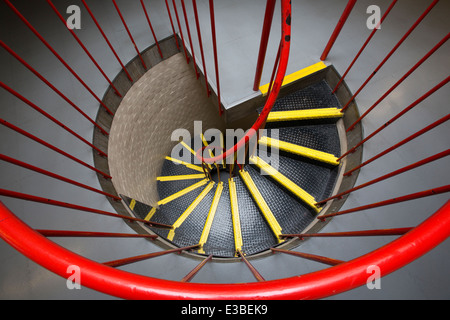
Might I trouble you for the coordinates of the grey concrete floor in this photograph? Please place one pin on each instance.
(238, 29)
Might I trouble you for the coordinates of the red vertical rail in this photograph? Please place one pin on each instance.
(419, 20)
(267, 25)
(411, 137)
(57, 55)
(412, 105)
(389, 175)
(181, 31)
(84, 48)
(197, 23)
(348, 9)
(129, 34)
(48, 116)
(70, 233)
(313, 257)
(433, 50)
(216, 63)
(189, 37)
(365, 44)
(48, 145)
(107, 40)
(171, 23)
(151, 29)
(191, 274)
(29, 67)
(275, 67)
(55, 176)
(362, 233)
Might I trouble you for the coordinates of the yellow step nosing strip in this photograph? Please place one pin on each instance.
(296, 75)
(262, 204)
(132, 204)
(284, 181)
(181, 177)
(189, 209)
(299, 150)
(235, 216)
(183, 192)
(205, 143)
(210, 218)
(304, 114)
(190, 166)
(150, 214)
(188, 148)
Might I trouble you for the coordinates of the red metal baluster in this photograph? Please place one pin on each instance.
(57, 55)
(107, 40)
(419, 20)
(48, 116)
(129, 34)
(181, 31)
(267, 25)
(84, 48)
(70, 233)
(348, 9)
(194, 4)
(407, 74)
(362, 233)
(171, 23)
(15, 55)
(151, 28)
(216, 63)
(313, 257)
(365, 44)
(189, 37)
(191, 274)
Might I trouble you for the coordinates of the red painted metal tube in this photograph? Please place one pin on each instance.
(171, 23)
(129, 34)
(313, 257)
(411, 106)
(28, 197)
(406, 35)
(189, 37)
(70, 233)
(191, 274)
(365, 44)
(216, 61)
(57, 55)
(411, 137)
(360, 233)
(200, 42)
(48, 116)
(107, 40)
(151, 29)
(265, 33)
(121, 262)
(84, 48)
(437, 46)
(275, 67)
(29, 67)
(348, 9)
(284, 57)
(390, 175)
(252, 269)
(54, 175)
(412, 196)
(48, 145)
(181, 31)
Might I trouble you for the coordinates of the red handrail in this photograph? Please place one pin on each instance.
(316, 285)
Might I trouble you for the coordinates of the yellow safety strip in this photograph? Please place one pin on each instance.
(285, 182)
(205, 143)
(296, 75)
(210, 218)
(181, 177)
(188, 148)
(306, 114)
(299, 150)
(189, 210)
(183, 192)
(150, 214)
(235, 216)
(132, 204)
(188, 165)
(262, 204)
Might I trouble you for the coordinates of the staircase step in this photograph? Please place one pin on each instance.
(181, 177)
(285, 182)
(183, 192)
(186, 164)
(265, 210)
(308, 114)
(299, 150)
(235, 216)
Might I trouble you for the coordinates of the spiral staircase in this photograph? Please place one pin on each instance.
(241, 209)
